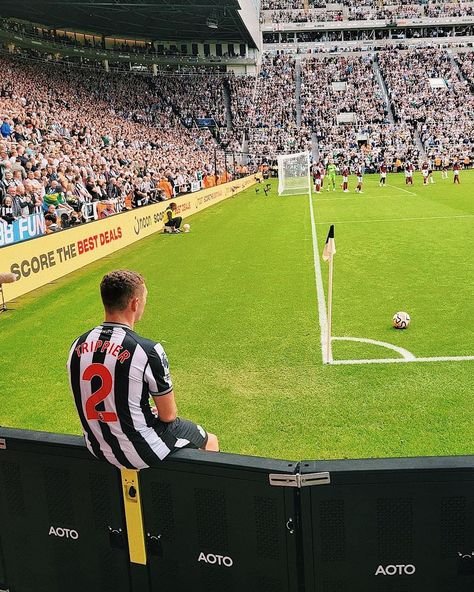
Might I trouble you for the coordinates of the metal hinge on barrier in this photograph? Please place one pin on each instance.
(3, 446)
(308, 480)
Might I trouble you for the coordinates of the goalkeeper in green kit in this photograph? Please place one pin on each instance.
(331, 175)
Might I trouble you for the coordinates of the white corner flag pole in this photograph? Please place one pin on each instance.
(328, 255)
(329, 345)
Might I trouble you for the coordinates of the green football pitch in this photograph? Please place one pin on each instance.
(235, 305)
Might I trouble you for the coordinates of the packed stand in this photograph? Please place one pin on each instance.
(242, 90)
(282, 5)
(293, 11)
(302, 16)
(443, 115)
(403, 9)
(332, 87)
(196, 94)
(388, 11)
(107, 142)
(272, 127)
(439, 9)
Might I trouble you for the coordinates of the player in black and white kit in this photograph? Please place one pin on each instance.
(113, 372)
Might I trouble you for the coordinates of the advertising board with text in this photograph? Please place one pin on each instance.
(42, 260)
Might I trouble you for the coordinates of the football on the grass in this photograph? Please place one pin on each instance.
(401, 320)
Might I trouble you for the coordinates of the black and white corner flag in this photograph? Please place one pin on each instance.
(330, 246)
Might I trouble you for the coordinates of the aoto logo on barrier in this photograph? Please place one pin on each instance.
(216, 559)
(63, 533)
(395, 570)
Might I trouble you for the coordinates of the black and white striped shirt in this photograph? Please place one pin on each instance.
(112, 372)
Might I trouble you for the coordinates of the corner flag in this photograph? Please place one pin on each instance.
(330, 246)
(328, 252)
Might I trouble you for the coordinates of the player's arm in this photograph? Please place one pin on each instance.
(166, 407)
(160, 386)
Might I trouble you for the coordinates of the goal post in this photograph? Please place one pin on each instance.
(294, 174)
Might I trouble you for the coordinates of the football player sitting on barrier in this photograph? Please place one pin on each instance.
(114, 372)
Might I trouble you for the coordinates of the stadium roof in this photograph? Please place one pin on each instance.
(167, 20)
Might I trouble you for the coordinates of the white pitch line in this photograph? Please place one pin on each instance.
(401, 189)
(397, 219)
(370, 361)
(400, 350)
(445, 359)
(402, 360)
(340, 198)
(408, 357)
(323, 319)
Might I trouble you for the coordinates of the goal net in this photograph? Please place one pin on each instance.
(293, 174)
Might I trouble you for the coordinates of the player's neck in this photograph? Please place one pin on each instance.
(121, 318)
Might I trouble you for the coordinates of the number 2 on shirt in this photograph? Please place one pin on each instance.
(100, 395)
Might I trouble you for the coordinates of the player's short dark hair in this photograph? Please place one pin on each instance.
(118, 287)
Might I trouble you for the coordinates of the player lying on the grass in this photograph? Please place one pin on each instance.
(172, 222)
(113, 372)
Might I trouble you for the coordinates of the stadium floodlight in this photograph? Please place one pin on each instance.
(294, 174)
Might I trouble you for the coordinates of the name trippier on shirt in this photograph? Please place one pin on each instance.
(108, 347)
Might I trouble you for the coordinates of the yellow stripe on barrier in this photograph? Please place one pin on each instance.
(133, 516)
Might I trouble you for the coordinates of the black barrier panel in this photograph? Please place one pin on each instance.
(3, 577)
(398, 525)
(61, 517)
(214, 523)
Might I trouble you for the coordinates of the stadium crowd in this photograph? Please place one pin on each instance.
(343, 103)
(302, 16)
(94, 138)
(344, 110)
(291, 4)
(272, 124)
(343, 107)
(89, 141)
(427, 91)
(286, 11)
(194, 94)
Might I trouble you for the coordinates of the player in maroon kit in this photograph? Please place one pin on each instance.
(317, 178)
(409, 168)
(425, 171)
(360, 173)
(456, 169)
(383, 174)
(345, 178)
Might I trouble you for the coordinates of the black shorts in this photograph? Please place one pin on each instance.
(175, 222)
(181, 433)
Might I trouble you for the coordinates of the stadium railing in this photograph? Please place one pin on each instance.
(228, 523)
